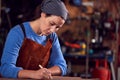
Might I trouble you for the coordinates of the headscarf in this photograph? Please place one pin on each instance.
(54, 7)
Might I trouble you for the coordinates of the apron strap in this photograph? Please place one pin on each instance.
(23, 29)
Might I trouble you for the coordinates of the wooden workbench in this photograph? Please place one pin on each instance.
(54, 78)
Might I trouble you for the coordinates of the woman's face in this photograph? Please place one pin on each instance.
(50, 24)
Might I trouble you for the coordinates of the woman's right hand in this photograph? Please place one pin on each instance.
(42, 73)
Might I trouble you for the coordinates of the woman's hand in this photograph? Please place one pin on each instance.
(42, 73)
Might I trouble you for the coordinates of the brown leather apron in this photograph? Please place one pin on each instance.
(32, 54)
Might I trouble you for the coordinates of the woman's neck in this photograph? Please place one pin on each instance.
(35, 25)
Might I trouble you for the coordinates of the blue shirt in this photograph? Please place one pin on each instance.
(12, 46)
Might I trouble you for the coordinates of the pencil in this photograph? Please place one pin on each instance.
(50, 77)
(40, 66)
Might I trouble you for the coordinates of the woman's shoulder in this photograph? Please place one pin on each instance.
(17, 28)
(16, 31)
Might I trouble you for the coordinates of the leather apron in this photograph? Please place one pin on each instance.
(32, 54)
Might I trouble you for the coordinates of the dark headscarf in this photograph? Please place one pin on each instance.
(54, 7)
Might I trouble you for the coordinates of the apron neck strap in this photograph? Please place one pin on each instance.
(23, 29)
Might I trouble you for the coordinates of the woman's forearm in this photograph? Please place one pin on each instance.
(37, 74)
(43, 73)
(26, 74)
(55, 71)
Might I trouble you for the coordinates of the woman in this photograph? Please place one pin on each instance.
(37, 34)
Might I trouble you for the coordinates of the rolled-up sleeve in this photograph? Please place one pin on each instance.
(9, 71)
(9, 57)
(57, 58)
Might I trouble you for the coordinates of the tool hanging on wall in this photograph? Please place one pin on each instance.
(7, 10)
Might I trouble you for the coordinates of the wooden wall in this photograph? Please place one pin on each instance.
(77, 27)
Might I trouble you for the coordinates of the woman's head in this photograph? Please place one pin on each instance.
(52, 7)
(52, 16)
(50, 23)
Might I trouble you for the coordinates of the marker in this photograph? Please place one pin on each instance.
(40, 66)
(50, 77)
